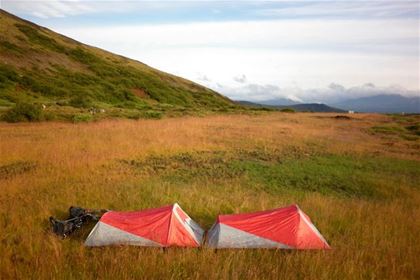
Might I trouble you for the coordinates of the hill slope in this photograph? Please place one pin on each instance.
(383, 104)
(40, 66)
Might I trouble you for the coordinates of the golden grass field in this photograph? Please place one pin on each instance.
(358, 181)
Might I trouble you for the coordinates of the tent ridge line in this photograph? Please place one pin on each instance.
(170, 223)
(313, 228)
(186, 226)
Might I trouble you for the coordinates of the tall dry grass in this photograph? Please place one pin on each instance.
(78, 164)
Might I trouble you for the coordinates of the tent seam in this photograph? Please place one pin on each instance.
(170, 225)
(186, 226)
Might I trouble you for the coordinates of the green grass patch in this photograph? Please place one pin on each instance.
(23, 112)
(152, 115)
(81, 101)
(10, 48)
(404, 126)
(83, 56)
(333, 175)
(277, 173)
(36, 37)
(5, 103)
(82, 118)
(390, 129)
(8, 76)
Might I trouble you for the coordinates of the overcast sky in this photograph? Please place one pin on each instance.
(312, 51)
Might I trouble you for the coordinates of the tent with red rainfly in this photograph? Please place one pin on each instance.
(287, 228)
(160, 227)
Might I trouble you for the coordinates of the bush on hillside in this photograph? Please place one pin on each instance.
(152, 115)
(10, 48)
(7, 76)
(45, 87)
(23, 112)
(36, 37)
(81, 101)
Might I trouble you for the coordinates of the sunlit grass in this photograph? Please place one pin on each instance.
(360, 191)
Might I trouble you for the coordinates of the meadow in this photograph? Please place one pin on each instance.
(357, 178)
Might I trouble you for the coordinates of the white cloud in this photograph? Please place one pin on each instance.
(331, 94)
(254, 92)
(203, 78)
(62, 8)
(345, 9)
(374, 36)
(274, 8)
(240, 79)
(308, 54)
(48, 8)
(336, 93)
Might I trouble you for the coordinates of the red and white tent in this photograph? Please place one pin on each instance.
(159, 227)
(287, 228)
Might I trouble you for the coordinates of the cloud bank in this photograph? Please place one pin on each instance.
(255, 9)
(308, 53)
(333, 93)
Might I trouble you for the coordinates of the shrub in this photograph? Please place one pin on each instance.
(81, 101)
(10, 47)
(134, 116)
(83, 56)
(152, 115)
(7, 75)
(24, 112)
(82, 118)
(36, 37)
(288, 110)
(414, 129)
(44, 85)
(139, 105)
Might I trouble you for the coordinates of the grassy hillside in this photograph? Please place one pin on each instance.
(358, 183)
(39, 66)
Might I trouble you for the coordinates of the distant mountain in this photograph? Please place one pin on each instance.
(382, 104)
(314, 107)
(251, 104)
(278, 102)
(309, 107)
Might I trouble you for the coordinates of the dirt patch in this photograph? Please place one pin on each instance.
(341, 117)
(140, 93)
(16, 168)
